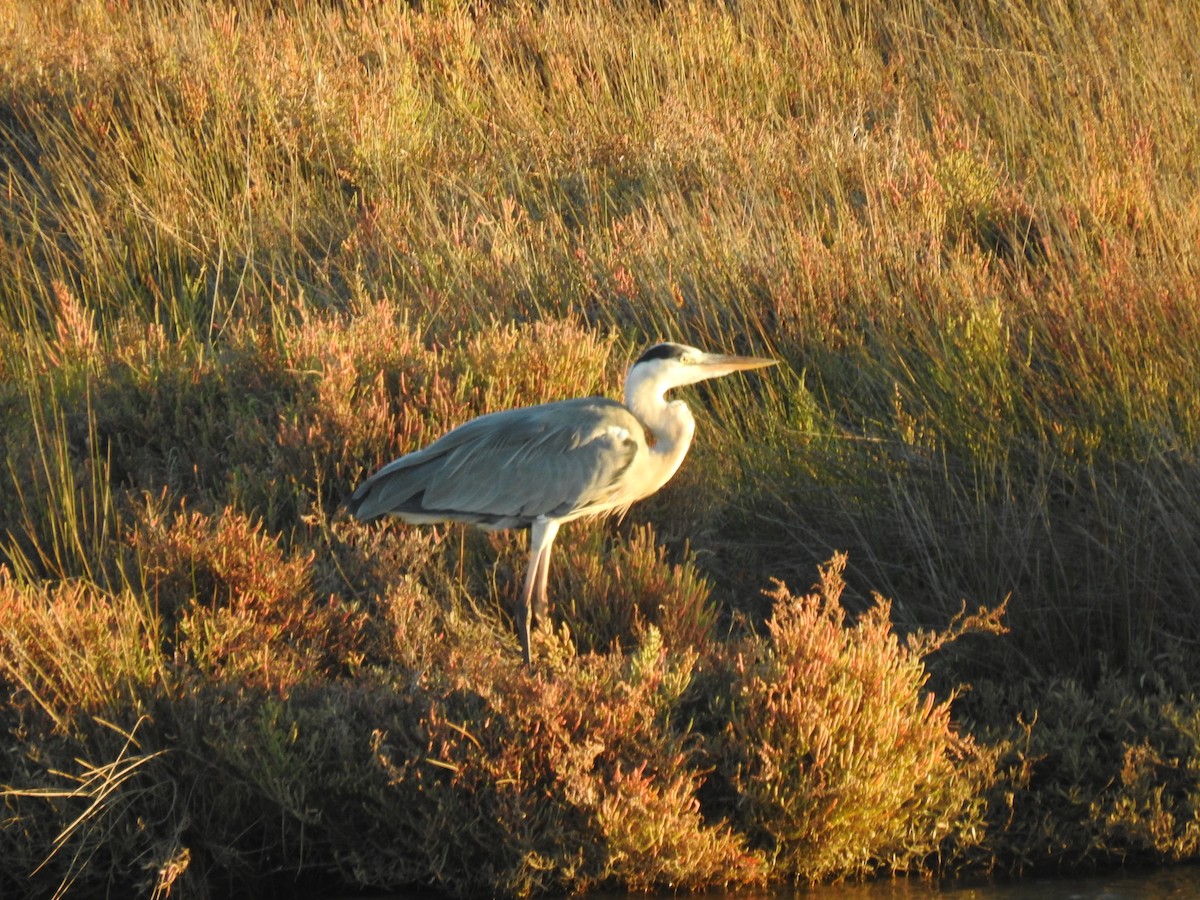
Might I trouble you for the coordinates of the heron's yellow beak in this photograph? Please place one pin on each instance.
(713, 365)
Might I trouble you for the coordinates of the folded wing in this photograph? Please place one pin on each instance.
(560, 460)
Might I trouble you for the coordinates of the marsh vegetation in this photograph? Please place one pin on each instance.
(924, 599)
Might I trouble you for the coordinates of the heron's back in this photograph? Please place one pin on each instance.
(503, 470)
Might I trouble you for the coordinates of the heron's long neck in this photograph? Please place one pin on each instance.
(670, 423)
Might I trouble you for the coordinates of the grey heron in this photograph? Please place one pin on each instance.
(541, 466)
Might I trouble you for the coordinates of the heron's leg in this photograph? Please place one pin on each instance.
(524, 611)
(541, 606)
(533, 591)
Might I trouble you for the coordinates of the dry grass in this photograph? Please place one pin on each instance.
(249, 253)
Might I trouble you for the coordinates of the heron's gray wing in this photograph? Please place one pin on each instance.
(510, 467)
(556, 459)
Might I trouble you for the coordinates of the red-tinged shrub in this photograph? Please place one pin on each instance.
(501, 780)
(244, 607)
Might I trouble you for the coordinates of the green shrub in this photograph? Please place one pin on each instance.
(1089, 776)
(840, 762)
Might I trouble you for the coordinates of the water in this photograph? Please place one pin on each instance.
(1172, 883)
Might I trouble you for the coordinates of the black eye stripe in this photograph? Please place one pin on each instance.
(662, 351)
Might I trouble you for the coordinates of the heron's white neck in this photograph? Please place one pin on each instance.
(670, 422)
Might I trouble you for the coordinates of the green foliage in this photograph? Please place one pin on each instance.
(1090, 777)
(455, 766)
(841, 763)
(616, 595)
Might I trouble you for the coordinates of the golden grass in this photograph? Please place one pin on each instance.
(250, 252)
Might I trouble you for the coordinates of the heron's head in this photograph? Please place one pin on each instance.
(667, 365)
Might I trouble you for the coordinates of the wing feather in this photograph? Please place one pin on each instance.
(560, 460)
